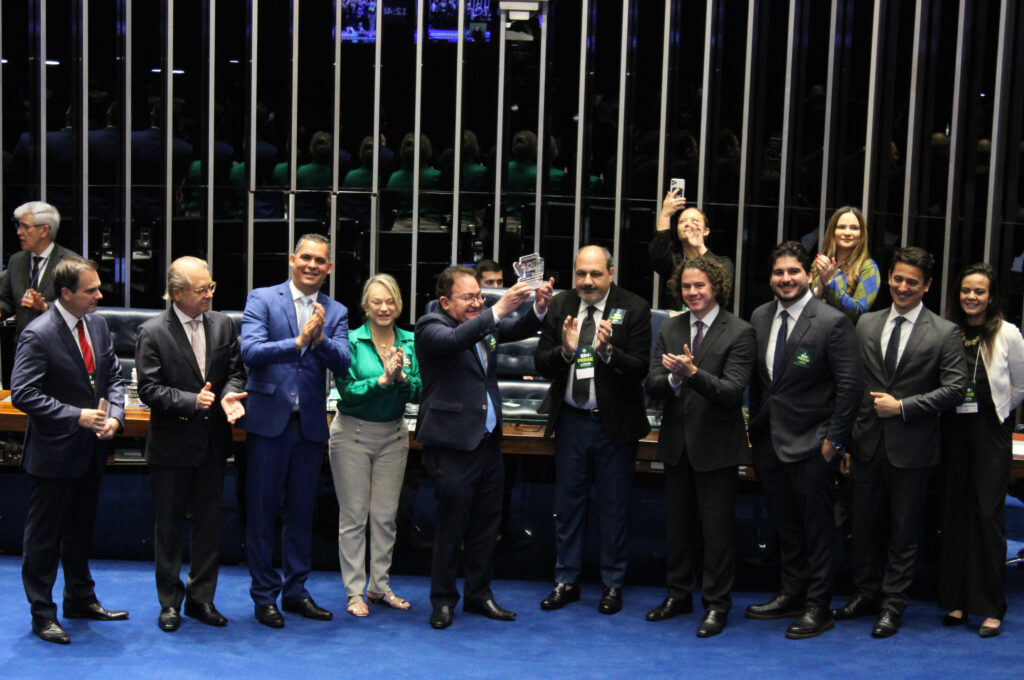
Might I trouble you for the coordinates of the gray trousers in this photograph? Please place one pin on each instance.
(367, 463)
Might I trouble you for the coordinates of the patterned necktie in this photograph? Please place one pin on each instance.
(780, 346)
(33, 282)
(581, 386)
(699, 338)
(892, 350)
(83, 343)
(198, 347)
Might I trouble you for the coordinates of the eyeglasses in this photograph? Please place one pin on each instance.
(25, 226)
(210, 288)
(469, 297)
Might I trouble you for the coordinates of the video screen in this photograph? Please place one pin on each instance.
(359, 17)
(359, 20)
(443, 20)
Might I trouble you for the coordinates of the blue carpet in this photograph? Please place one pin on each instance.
(576, 642)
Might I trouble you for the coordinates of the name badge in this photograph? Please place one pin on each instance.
(406, 363)
(803, 358)
(616, 317)
(492, 342)
(585, 362)
(970, 404)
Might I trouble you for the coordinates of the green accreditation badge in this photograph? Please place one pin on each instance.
(970, 404)
(803, 358)
(616, 317)
(492, 342)
(585, 362)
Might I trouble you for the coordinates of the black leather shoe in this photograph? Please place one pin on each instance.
(50, 631)
(948, 620)
(713, 623)
(888, 624)
(205, 612)
(169, 619)
(611, 601)
(441, 617)
(671, 606)
(811, 623)
(490, 609)
(306, 608)
(990, 631)
(857, 607)
(94, 611)
(779, 607)
(269, 615)
(561, 595)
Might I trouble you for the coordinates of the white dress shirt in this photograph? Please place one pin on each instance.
(794, 310)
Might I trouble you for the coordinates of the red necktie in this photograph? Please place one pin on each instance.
(90, 366)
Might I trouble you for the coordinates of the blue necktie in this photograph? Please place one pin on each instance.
(492, 417)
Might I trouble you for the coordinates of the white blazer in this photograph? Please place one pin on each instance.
(1005, 369)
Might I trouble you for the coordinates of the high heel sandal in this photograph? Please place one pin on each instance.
(389, 599)
(356, 606)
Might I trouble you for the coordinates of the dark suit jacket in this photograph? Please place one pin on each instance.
(49, 383)
(818, 391)
(277, 371)
(706, 419)
(930, 378)
(619, 383)
(14, 285)
(169, 381)
(453, 404)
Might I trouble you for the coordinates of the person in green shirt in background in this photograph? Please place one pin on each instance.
(370, 443)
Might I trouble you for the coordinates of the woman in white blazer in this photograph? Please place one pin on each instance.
(977, 451)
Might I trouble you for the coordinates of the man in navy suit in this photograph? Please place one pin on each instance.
(68, 380)
(803, 401)
(191, 377)
(291, 335)
(459, 426)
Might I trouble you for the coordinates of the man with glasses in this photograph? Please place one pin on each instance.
(459, 426)
(27, 288)
(191, 377)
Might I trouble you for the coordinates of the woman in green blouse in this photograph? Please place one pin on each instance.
(370, 442)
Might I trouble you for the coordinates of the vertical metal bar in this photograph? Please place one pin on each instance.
(3, 187)
(168, 75)
(1000, 103)
(620, 140)
(830, 96)
(787, 108)
(40, 18)
(741, 208)
(460, 44)
(499, 140)
(293, 152)
(250, 168)
(126, 144)
(581, 126)
(336, 179)
(417, 125)
(211, 75)
(542, 133)
(666, 41)
(910, 174)
(375, 192)
(83, 122)
(955, 146)
(869, 137)
(712, 8)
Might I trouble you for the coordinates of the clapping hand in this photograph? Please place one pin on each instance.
(679, 365)
(232, 405)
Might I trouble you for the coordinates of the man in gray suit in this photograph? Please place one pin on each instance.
(27, 289)
(803, 403)
(702, 363)
(914, 369)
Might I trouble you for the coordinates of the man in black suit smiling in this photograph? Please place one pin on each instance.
(803, 402)
(594, 348)
(701, 366)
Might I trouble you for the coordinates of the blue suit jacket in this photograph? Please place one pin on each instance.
(453, 403)
(50, 384)
(277, 371)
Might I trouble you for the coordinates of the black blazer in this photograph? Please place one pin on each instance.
(619, 383)
(169, 380)
(706, 419)
(819, 390)
(930, 378)
(453, 404)
(14, 285)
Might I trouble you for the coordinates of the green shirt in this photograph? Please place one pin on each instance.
(361, 395)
